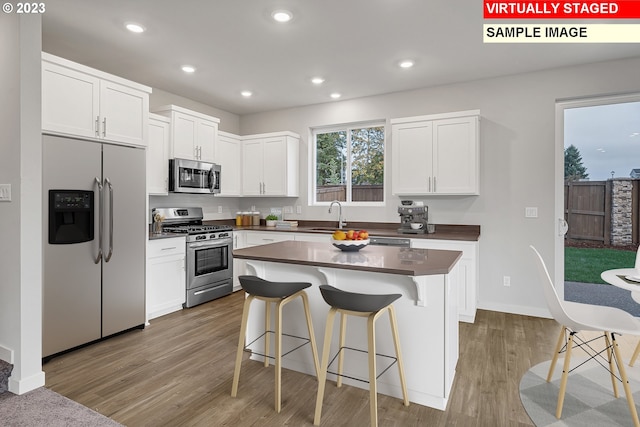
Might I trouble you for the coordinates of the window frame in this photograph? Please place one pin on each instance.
(313, 132)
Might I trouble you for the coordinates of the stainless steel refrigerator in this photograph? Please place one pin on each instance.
(95, 230)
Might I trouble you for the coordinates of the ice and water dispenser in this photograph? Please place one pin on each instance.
(70, 216)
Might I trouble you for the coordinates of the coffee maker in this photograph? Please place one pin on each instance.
(412, 213)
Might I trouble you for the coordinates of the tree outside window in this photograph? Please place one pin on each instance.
(350, 164)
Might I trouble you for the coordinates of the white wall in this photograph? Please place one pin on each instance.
(21, 219)
(517, 164)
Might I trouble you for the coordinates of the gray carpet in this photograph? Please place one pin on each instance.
(598, 294)
(589, 399)
(43, 407)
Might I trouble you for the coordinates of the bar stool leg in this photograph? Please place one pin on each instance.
(312, 336)
(396, 343)
(373, 389)
(635, 355)
(322, 375)
(343, 333)
(267, 326)
(278, 355)
(243, 333)
(556, 353)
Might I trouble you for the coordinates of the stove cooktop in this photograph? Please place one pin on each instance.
(196, 229)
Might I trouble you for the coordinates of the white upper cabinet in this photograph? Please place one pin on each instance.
(270, 164)
(193, 135)
(158, 155)
(436, 154)
(81, 101)
(229, 156)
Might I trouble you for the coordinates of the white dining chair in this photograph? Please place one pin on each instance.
(575, 318)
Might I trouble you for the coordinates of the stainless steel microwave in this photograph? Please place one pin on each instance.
(192, 176)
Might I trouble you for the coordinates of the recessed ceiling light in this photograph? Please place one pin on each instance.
(282, 15)
(134, 28)
(317, 80)
(246, 93)
(335, 95)
(406, 64)
(188, 69)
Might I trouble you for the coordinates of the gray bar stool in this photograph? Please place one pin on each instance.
(363, 305)
(279, 293)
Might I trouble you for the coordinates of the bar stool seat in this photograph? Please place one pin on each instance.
(279, 293)
(363, 305)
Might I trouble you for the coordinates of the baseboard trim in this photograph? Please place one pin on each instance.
(26, 384)
(516, 309)
(6, 354)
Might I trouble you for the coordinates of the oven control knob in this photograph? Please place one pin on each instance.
(202, 237)
(221, 235)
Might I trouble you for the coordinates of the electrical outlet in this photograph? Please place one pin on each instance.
(298, 209)
(220, 209)
(5, 192)
(531, 212)
(288, 209)
(253, 208)
(506, 281)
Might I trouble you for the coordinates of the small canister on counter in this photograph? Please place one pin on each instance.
(238, 218)
(256, 218)
(246, 218)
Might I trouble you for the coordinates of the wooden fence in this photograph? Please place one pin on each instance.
(588, 210)
(359, 193)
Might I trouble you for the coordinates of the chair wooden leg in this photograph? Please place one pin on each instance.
(373, 389)
(343, 333)
(241, 339)
(635, 355)
(396, 343)
(625, 382)
(267, 326)
(565, 376)
(556, 352)
(322, 376)
(278, 357)
(312, 336)
(612, 370)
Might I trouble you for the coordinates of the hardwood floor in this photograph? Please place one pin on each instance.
(178, 372)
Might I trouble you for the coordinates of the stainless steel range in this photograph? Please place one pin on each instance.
(209, 260)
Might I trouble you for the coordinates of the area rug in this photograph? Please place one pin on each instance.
(43, 407)
(588, 401)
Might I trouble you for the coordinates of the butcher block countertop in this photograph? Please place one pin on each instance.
(380, 259)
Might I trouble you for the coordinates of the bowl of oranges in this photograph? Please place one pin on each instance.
(350, 240)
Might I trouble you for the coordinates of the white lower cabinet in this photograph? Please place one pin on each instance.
(468, 272)
(166, 277)
(245, 239)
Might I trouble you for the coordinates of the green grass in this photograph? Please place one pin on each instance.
(586, 264)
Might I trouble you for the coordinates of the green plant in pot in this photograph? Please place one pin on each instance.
(271, 220)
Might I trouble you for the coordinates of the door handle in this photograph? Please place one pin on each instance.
(100, 220)
(97, 127)
(563, 227)
(108, 183)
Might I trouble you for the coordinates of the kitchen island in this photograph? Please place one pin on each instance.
(427, 312)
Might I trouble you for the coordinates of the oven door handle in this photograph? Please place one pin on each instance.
(210, 243)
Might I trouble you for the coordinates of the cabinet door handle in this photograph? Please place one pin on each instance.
(104, 127)
(195, 152)
(200, 152)
(429, 184)
(97, 125)
(168, 249)
(434, 184)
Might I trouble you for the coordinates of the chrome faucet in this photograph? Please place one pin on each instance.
(340, 222)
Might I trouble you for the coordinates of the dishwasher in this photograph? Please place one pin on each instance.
(390, 241)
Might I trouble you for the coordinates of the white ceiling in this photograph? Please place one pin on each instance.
(354, 44)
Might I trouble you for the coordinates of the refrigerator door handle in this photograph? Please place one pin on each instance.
(108, 183)
(100, 221)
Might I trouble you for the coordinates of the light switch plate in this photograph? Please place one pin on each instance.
(5, 192)
(531, 212)
(219, 209)
(298, 209)
(288, 209)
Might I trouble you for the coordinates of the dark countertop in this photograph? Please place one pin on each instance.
(376, 229)
(379, 259)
